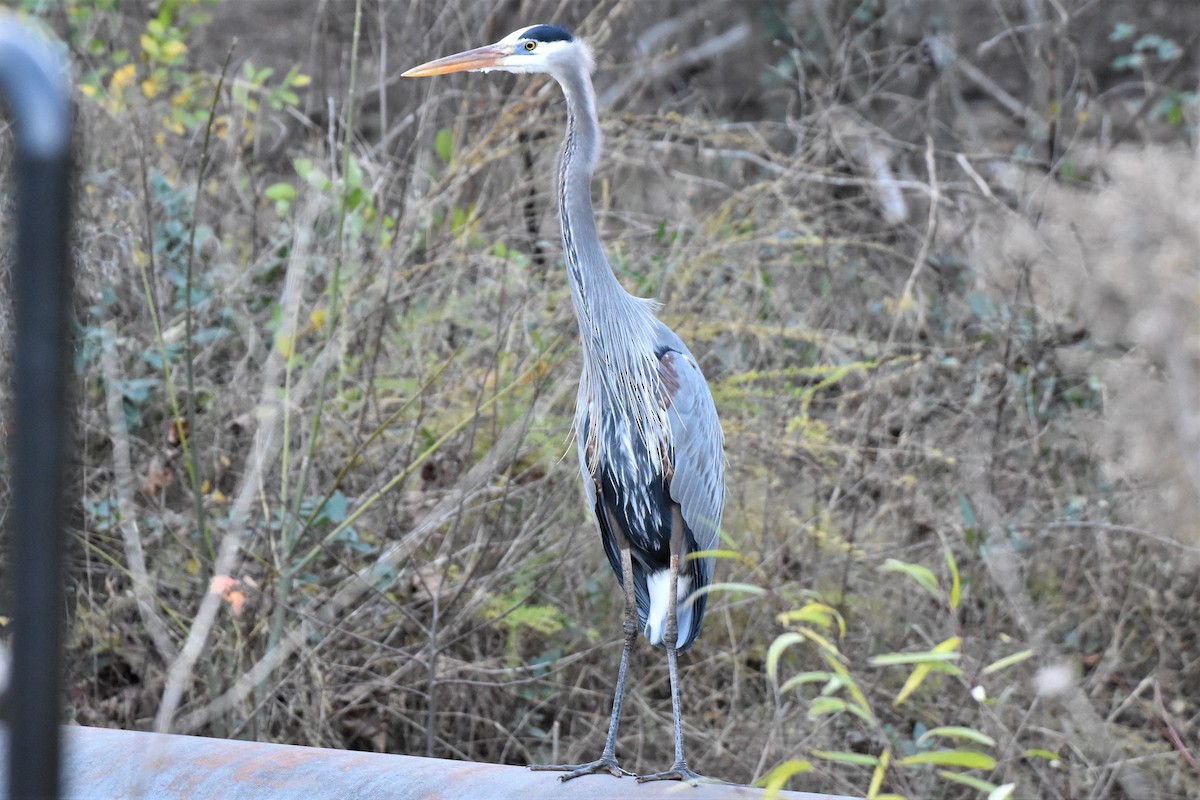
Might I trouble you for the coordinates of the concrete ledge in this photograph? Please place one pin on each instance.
(115, 764)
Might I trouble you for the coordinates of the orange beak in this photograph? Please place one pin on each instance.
(480, 58)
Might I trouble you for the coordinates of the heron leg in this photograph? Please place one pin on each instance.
(608, 759)
(679, 771)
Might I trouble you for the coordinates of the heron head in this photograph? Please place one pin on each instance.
(537, 48)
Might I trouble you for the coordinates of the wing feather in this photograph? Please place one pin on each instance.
(698, 459)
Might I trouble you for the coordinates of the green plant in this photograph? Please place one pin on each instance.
(951, 748)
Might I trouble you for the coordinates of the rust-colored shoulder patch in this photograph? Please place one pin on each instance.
(668, 376)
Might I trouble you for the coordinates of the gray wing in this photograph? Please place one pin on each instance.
(698, 479)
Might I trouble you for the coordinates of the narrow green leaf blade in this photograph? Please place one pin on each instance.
(840, 757)
(923, 575)
(1007, 661)
(925, 657)
(979, 784)
(782, 642)
(774, 780)
(443, 144)
(968, 759)
(958, 732)
(803, 678)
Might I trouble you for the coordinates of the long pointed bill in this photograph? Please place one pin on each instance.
(480, 58)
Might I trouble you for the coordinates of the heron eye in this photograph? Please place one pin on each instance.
(531, 45)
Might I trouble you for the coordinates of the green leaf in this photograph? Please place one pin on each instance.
(1038, 752)
(745, 588)
(819, 640)
(955, 581)
(927, 657)
(781, 643)
(877, 776)
(841, 757)
(354, 175)
(816, 614)
(774, 780)
(958, 732)
(860, 707)
(803, 678)
(1122, 31)
(280, 191)
(826, 705)
(1007, 661)
(443, 144)
(978, 784)
(968, 759)
(777, 777)
(923, 575)
(968, 511)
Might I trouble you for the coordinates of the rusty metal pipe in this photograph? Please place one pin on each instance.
(131, 765)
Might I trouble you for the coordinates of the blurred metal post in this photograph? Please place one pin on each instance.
(33, 82)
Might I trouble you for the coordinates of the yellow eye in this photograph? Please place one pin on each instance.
(530, 45)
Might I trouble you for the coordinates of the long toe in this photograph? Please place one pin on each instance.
(679, 772)
(602, 764)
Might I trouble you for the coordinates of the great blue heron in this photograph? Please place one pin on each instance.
(650, 444)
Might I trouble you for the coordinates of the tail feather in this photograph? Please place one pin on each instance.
(687, 615)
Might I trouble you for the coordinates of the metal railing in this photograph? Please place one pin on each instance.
(103, 763)
(33, 82)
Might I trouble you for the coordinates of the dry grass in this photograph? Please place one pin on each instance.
(916, 345)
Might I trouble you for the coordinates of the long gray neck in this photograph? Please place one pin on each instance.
(617, 330)
(607, 314)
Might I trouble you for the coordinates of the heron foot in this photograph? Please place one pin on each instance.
(603, 764)
(679, 771)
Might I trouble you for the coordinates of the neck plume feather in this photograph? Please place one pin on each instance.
(618, 331)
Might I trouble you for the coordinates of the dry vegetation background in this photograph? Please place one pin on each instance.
(940, 260)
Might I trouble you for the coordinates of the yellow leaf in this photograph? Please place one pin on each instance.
(88, 90)
(150, 88)
(877, 776)
(122, 79)
(285, 344)
(301, 80)
(192, 566)
(774, 780)
(316, 320)
(149, 46)
(218, 496)
(173, 49)
(914, 680)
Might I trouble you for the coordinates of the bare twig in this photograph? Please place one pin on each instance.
(262, 454)
(706, 50)
(472, 485)
(124, 483)
(187, 439)
(906, 295)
